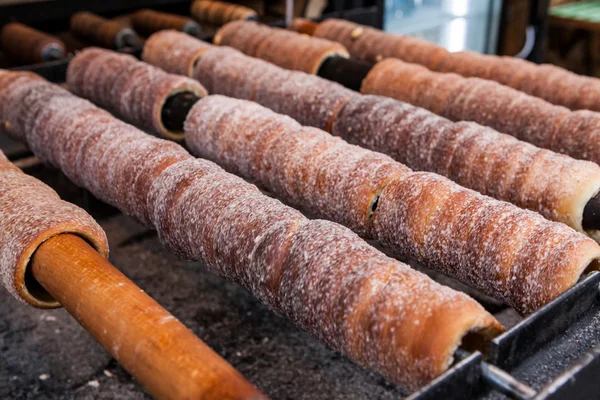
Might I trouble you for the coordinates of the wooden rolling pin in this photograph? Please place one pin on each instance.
(25, 44)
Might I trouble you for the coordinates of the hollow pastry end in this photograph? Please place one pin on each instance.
(174, 109)
(26, 285)
(333, 53)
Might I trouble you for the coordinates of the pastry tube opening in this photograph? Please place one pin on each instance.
(591, 214)
(27, 286)
(176, 109)
(31, 214)
(173, 51)
(138, 91)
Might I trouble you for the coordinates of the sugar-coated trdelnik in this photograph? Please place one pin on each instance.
(378, 311)
(31, 214)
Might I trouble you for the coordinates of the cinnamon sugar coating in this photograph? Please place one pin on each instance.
(507, 110)
(31, 214)
(419, 139)
(516, 254)
(308, 99)
(419, 216)
(307, 167)
(556, 186)
(205, 214)
(281, 47)
(173, 51)
(551, 83)
(136, 91)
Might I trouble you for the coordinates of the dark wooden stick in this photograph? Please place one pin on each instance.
(159, 351)
(176, 109)
(345, 71)
(591, 213)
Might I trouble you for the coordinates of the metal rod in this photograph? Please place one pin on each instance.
(506, 383)
(52, 53)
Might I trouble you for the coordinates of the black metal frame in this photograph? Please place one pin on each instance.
(563, 336)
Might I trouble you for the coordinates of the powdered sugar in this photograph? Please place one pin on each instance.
(174, 52)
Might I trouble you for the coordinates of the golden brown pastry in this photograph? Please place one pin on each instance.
(551, 83)
(378, 311)
(31, 214)
(219, 12)
(278, 46)
(100, 31)
(146, 22)
(528, 118)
